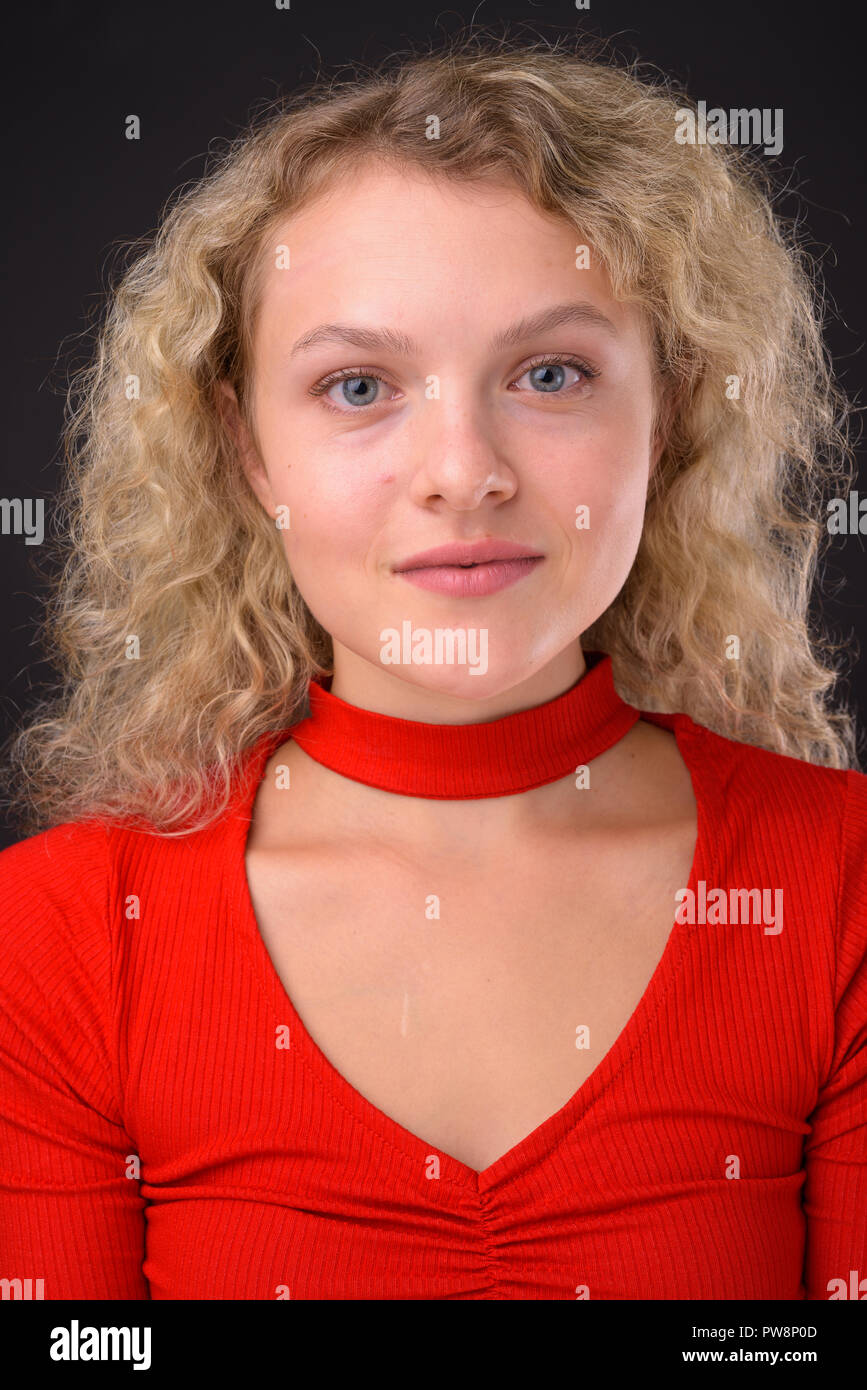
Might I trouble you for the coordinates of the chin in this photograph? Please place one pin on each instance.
(465, 683)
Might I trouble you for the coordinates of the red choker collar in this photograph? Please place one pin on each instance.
(458, 761)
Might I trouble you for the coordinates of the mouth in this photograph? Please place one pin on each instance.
(473, 579)
(469, 555)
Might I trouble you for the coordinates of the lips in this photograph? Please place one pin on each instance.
(477, 580)
(467, 554)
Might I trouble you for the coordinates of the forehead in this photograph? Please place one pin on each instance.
(382, 241)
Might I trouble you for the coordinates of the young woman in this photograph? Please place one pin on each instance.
(445, 872)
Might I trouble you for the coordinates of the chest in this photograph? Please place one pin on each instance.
(468, 1000)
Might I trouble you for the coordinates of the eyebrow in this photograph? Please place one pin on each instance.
(391, 340)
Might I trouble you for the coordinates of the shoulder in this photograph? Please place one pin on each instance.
(54, 908)
(804, 823)
(62, 869)
(62, 894)
(70, 870)
(781, 789)
(65, 903)
(56, 981)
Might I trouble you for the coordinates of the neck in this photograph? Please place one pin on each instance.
(464, 791)
(454, 696)
(360, 815)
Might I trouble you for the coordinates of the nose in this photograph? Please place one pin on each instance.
(462, 457)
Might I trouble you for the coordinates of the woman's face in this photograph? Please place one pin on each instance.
(429, 298)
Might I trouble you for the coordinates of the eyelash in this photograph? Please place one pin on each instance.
(550, 359)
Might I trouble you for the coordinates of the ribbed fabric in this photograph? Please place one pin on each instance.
(169, 1129)
(468, 761)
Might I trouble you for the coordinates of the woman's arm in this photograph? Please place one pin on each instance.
(70, 1210)
(835, 1192)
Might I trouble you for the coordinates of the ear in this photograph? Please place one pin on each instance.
(245, 448)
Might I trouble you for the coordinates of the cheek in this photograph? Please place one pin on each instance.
(333, 500)
(606, 473)
(608, 548)
(334, 519)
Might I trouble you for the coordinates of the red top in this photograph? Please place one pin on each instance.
(169, 1128)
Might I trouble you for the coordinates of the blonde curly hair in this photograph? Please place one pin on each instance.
(161, 537)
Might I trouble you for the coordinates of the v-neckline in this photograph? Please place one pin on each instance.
(550, 1132)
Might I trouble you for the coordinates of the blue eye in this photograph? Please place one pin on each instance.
(550, 369)
(548, 375)
(356, 390)
(353, 394)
